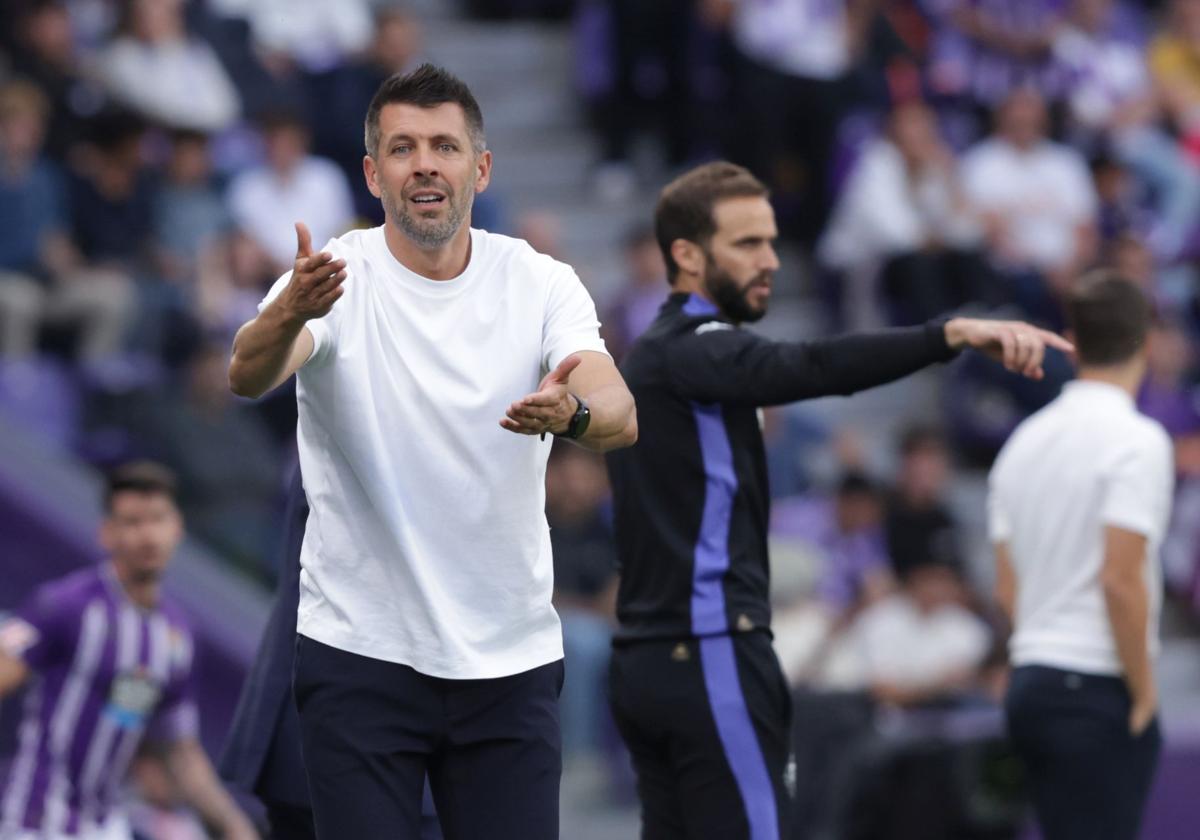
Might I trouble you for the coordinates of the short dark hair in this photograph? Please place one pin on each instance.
(685, 206)
(426, 87)
(139, 477)
(1110, 316)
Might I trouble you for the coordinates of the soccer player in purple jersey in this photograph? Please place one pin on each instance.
(108, 661)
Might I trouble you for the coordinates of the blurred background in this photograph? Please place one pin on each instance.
(924, 156)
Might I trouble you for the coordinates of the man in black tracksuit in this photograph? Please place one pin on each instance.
(695, 687)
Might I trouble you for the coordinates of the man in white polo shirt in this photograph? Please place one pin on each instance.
(431, 361)
(1079, 501)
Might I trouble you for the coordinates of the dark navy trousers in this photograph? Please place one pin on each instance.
(371, 730)
(708, 724)
(1088, 776)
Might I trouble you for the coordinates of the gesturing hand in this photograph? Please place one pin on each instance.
(1018, 346)
(316, 280)
(548, 409)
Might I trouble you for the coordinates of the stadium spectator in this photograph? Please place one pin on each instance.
(1112, 104)
(984, 50)
(337, 97)
(649, 59)
(1175, 63)
(310, 35)
(852, 569)
(585, 579)
(920, 528)
(922, 644)
(155, 68)
(1037, 203)
(637, 302)
(43, 278)
(903, 215)
(109, 663)
(190, 216)
(44, 50)
(310, 187)
(790, 88)
(229, 466)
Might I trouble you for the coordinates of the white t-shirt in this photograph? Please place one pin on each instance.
(427, 543)
(900, 644)
(805, 38)
(1086, 461)
(1044, 194)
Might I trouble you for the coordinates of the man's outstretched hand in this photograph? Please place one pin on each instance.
(316, 282)
(1020, 347)
(549, 408)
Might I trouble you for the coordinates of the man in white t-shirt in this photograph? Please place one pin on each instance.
(1079, 501)
(427, 640)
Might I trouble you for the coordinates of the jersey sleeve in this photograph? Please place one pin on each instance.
(570, 322)
(717, 362)
(1137, 490)
(40, 632)
(324, 330)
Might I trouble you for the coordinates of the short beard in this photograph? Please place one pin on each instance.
(729, 297)
(425, 236)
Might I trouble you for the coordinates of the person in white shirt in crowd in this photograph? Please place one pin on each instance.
(791, 84)
(314, 35)
(1112, 102)
(1037, 203)
(922, 643)
(1079, 501)
(309, 187)
(903, 219)
(155, 68)
(432, 359)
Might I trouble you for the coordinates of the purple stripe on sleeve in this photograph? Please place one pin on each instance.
(738, 737)
(711, 559)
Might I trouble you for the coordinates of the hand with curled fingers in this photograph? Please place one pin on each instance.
(1019, 346)
(316, 281)
(549, 408)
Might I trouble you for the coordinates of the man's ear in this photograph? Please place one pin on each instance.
(371, 174)
(688, 256)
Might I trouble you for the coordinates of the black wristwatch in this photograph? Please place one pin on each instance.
(578, 426)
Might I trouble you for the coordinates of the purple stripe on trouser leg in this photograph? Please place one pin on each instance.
(711, 558)
(736, 730)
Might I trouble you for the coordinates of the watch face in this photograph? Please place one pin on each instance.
(581, 420)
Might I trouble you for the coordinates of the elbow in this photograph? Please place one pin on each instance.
(240, 384)
(629, 434)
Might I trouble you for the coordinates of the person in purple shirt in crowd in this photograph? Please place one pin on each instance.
(108, 664)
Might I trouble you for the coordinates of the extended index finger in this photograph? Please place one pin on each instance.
(1056, 341)
(303, 241)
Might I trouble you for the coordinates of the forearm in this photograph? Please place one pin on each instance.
(1127, 603)
(261, 350)
(614, 419)
(851, 363)
(203, 791)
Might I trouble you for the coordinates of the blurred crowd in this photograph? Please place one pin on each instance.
(924, 155)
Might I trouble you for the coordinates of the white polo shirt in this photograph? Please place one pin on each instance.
(1086, 461)
(427, 543)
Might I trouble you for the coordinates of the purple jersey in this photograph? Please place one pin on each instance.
(108, 674)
